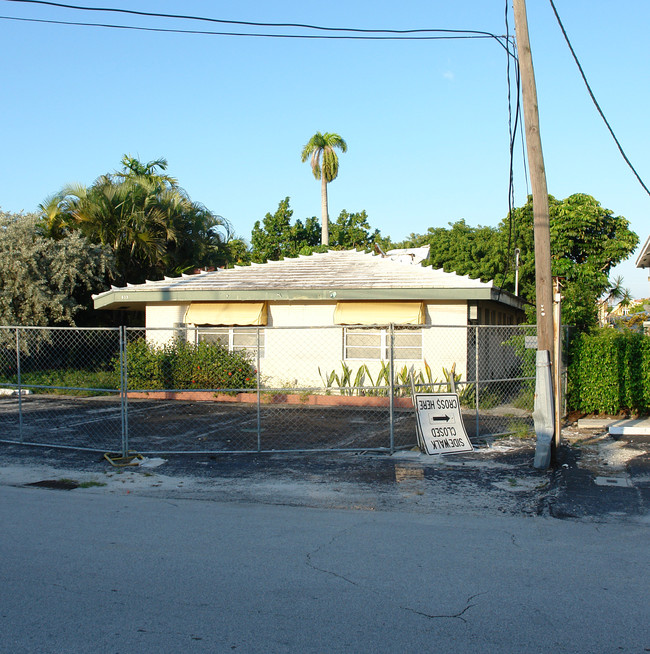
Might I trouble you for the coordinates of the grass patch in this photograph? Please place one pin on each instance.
(91, 484)
(67, 381)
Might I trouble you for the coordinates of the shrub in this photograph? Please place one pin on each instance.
(609, 372)
(182, 365)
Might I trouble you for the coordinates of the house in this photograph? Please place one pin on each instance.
(304, 316)
(643, 261)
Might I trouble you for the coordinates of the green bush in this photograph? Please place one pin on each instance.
(609, 372)
(182, 365)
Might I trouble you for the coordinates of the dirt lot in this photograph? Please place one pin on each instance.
(163, 426)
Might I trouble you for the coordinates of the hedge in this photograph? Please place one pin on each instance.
(182, 365)
(609, 372)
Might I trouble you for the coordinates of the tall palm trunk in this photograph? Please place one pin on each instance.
(325, 169)
(325, 232)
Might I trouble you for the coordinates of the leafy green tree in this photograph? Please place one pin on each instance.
(275, 237)
(587, 241)
(351, 230)
(149, 222)
(45, 282)
(321, 151)
(237, 252)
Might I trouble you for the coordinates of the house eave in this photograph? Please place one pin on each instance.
(126, 299)
(643, 260)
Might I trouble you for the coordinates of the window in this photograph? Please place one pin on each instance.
(374, 343)
(234, 338)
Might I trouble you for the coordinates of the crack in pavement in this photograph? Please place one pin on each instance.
(332, 540)
(310, 564)
(458, 615)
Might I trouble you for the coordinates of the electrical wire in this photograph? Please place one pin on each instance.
(512, 134)
(388, 34)
(253, 34)
(506, 42)
(511, 149)
(239, 22)
(593, 98)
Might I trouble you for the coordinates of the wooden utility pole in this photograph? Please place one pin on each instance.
(542, 232)
(544, 413)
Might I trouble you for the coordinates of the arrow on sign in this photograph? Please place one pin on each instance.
(445, 418)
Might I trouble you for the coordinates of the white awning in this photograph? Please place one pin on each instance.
(227, 313)
(379, 313)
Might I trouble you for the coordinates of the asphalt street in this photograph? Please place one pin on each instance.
(328, 553)
(90, 571)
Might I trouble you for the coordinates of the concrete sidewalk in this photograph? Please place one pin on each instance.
(618, 426)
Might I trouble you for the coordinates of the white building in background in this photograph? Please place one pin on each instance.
(643, 261)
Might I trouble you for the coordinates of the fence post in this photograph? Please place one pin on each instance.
(20, 390)
(476, 374)
(124, 408)
(259, 394)
(391, 402)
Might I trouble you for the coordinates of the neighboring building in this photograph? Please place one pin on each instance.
(323, 309)
(643, 261)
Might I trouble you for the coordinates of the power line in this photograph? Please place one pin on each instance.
(512, 134)
(341, 33)
(253, 34)
(600, 111)
(464, 33)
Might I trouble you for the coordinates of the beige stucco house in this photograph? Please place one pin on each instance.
(305, 316)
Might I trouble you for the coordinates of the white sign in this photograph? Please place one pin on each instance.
(441, 423)
(530, 342)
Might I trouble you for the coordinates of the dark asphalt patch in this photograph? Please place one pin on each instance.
(56, 484)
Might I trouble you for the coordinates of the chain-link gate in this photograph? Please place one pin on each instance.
(257, 389)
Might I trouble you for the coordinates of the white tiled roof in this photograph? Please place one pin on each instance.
(336, 269)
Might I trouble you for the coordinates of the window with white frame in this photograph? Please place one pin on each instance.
(374, 343)
(236, 339)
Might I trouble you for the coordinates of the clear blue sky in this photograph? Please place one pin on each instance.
(425, 122)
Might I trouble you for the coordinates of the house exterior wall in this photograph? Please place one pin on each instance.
(302, 346)
(296, 314)
(160, 320)
(447, 313)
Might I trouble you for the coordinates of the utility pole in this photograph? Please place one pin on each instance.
(542, 232)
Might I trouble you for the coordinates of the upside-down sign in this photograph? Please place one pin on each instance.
(441, 423)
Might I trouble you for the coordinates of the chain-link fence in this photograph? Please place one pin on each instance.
(60, 387)
(257, 389)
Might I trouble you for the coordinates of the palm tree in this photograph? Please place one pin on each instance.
(325, 166)
(615, 291)
(149, 222)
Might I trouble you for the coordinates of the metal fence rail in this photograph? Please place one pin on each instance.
(257, 389)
